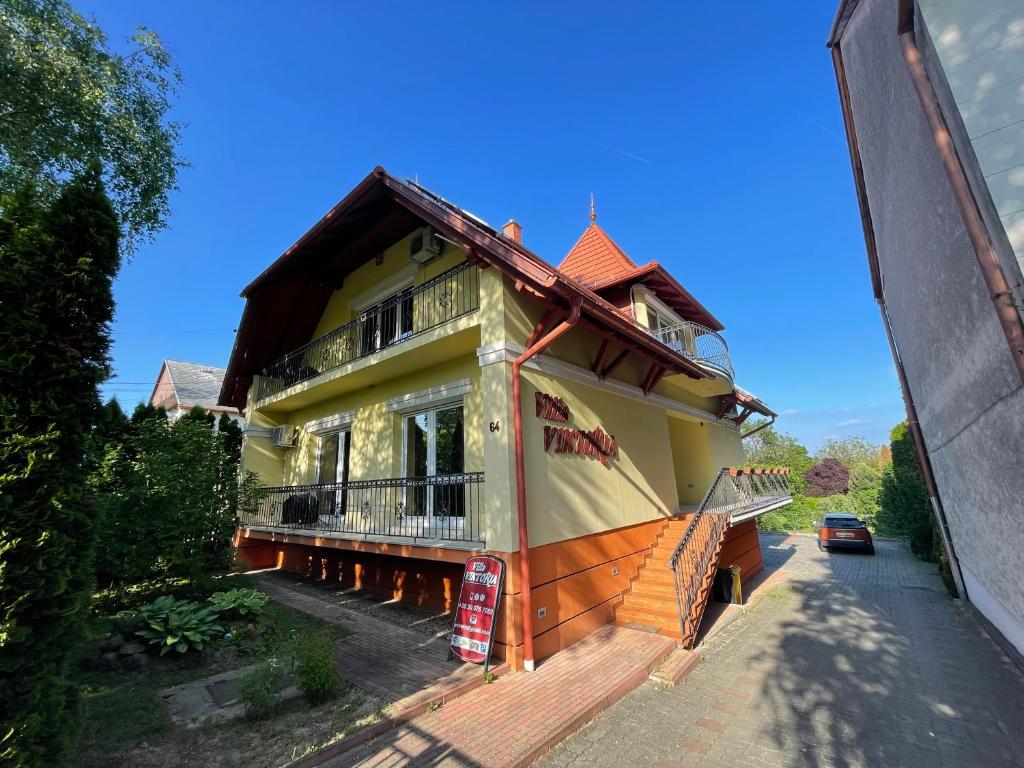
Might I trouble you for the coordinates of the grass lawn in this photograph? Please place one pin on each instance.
(126, 724)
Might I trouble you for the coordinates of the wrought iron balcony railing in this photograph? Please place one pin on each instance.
(442, 507)
(697, 342)
(446, 297)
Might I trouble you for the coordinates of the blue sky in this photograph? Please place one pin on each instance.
(712, 140)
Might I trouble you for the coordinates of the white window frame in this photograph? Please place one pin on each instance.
(431, 411)
(347, 432)
(430, 399)
(404, 278)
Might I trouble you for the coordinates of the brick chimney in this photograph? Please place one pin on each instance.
(513, 230)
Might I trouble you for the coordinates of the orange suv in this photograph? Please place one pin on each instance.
(844, 531)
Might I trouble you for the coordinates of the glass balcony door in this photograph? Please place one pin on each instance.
(332, 467)
(386, 322)
(435, 447)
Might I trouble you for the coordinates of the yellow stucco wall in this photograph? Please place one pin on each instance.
(691, 458)
(258, 456)
(362, 280)
(377, 431)
(570, 495)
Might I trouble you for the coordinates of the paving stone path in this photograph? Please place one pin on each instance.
(520, 715)
(399, 665)
(853, 661)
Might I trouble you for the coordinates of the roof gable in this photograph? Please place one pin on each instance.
(285, 302)
(596, 259)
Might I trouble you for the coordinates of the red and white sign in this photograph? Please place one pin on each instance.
(477, 611)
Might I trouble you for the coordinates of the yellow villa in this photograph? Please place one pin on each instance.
(419, 387)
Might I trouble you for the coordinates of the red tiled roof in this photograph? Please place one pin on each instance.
(596, 259)
(598, 263)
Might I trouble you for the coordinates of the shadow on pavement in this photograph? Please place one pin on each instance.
(877, 669)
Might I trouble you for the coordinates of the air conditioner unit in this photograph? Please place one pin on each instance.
(283, 436)
(425, 246)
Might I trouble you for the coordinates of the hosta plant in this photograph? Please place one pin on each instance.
(241, 602)
(181, 625)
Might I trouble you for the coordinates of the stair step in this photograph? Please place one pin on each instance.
(647, 588)
(665, 631)
(637, 602)
(661, 577)
(656, 617)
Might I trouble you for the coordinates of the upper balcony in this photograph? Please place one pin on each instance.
(698, 343)
(410, 313)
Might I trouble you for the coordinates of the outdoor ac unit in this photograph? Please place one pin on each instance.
(425, 246)
(283, 436)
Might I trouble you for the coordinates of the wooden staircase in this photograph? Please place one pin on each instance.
(677, 575)
(650, 604)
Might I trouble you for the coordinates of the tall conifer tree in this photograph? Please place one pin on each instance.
(57, 264)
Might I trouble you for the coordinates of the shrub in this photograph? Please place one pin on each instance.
(178, 624)
(167, 495)
(239, 602)
(317, 672)
(827, 478)
(261, 689)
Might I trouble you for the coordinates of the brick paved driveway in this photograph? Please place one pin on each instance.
(854, 661)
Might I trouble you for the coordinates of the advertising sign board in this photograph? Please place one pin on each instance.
(476, 613)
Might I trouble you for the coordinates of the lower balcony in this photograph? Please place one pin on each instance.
(439, 509)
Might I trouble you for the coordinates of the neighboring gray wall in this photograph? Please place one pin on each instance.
(968, 395)
(980, 48)
(994, 174)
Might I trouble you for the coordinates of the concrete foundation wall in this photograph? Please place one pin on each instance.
(959, 368)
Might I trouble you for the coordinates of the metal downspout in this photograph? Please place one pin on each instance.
(998, 286)
(517, 422)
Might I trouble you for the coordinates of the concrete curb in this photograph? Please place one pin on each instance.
(676, 666)
(371, 732)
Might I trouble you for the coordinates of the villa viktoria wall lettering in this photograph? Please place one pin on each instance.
(596, 443)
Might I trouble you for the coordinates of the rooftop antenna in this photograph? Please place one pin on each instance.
(593, 209)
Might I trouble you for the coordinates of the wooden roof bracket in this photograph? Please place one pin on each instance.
(613, 364)
(601, 352)
(541, 327)
(743, 416)
(653, 377)
(758, 429)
